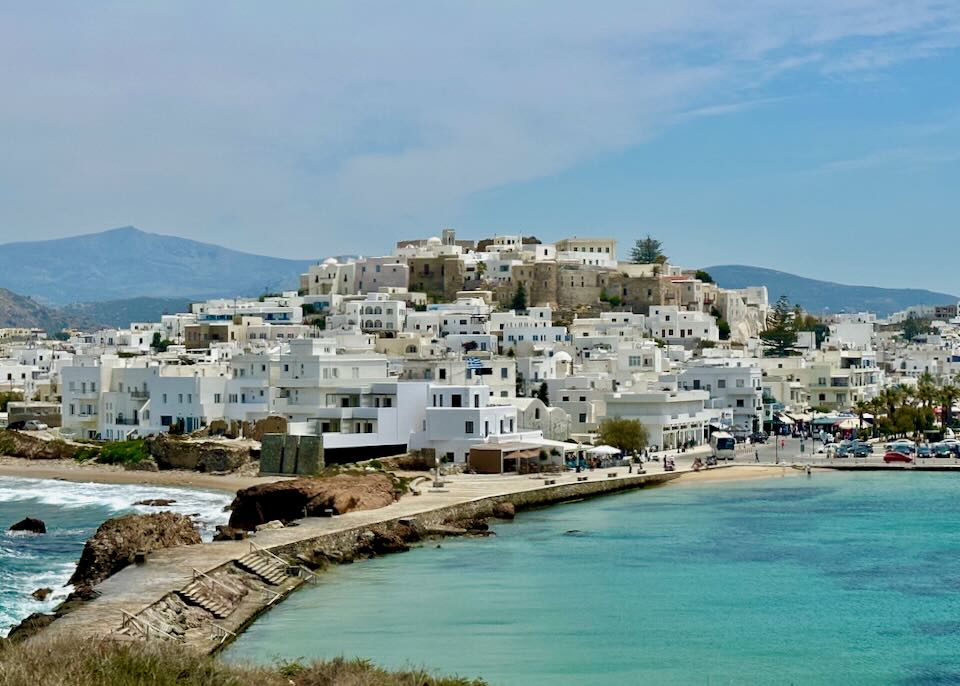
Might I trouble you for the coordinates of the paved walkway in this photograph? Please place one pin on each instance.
(138, 586)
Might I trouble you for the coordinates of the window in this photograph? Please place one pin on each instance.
(740, 383)
(164, 397)
(180, 398)
(721, 383)
(583, 418)
(468, 428)
(216, 398)
(536, 413)
(503, 372)
(442, 374)
(739, 402)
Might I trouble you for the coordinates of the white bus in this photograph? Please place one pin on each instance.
(724, 445)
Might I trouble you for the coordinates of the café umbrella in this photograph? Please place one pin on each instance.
(604, 450)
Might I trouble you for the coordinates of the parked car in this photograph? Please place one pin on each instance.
(895, 456)
(34, 425)
(862, 450)
(941, 450)
(758, 437)
(924, 451)
(905, 447)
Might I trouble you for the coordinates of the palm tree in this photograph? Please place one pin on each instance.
(926, 392)
(949, 392)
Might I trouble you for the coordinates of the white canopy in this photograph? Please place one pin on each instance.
(604, 450)
(566, 447)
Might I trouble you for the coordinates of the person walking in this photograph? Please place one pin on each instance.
(756, 454)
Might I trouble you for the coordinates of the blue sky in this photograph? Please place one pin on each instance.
(821, 138)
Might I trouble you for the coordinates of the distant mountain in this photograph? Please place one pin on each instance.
(119, 313)
(819, 296)
(129, 263)
(20, 311)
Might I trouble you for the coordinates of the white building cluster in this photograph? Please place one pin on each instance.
(446, 345)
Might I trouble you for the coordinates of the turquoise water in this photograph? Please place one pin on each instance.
(72, 513)
(837, 578)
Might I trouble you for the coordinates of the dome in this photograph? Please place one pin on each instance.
(562, 356)
(330, 260)
(433, 240)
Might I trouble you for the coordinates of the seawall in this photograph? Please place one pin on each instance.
(160, 599)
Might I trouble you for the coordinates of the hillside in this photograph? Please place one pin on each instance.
(20, 311)
(821, 296)
(129, 263)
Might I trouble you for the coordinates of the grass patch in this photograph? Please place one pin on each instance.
(123, 452)
(86, 454)
(67, 662)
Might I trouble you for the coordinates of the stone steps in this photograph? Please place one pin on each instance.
(197, 593)
(268, 569)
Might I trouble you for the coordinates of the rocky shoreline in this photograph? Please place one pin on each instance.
(208, 612)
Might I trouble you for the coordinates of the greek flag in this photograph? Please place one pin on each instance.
(473, 363)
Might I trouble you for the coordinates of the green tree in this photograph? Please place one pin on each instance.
(519, 302)
(543, 394)
(647, 251)
(704, 276)
(629, 435)
(915, 326)
(6, 397)
(949, 392)
(159, 343)
(780, 337)
(724, 328)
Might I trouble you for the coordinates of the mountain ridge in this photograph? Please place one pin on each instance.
(817, 296)
(126, 262)
(21, 311)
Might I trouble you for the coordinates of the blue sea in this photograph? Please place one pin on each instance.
(832, 579)
(72, 513)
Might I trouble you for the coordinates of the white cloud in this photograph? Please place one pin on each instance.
(354, 120)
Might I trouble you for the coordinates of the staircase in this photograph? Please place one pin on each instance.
(197, 593)
(271, 570)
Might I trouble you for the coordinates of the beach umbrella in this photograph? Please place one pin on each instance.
(604, 450)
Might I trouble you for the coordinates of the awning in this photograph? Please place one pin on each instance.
(561, 445)
(784, 419)
(847, 424)
(800, 416)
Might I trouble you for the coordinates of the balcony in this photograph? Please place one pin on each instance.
(140, 394)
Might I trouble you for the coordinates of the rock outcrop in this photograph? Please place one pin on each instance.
(155, 502)
(504, 510)
(204, 456)
(289, 500)
(31, 626)
(21, 444)
(41, 594)
(117, 540)
(34, 526)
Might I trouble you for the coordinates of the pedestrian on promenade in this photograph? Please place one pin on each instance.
(756, 454)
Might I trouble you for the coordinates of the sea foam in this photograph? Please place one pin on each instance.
(72, 512)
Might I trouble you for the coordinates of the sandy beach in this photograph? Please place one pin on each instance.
(67, 470)
(735, 473)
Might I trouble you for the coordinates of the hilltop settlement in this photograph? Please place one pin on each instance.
(499, 354)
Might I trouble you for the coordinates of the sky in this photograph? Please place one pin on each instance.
(819, 137)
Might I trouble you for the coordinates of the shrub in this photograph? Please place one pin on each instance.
(123, 452)
(72, 662)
